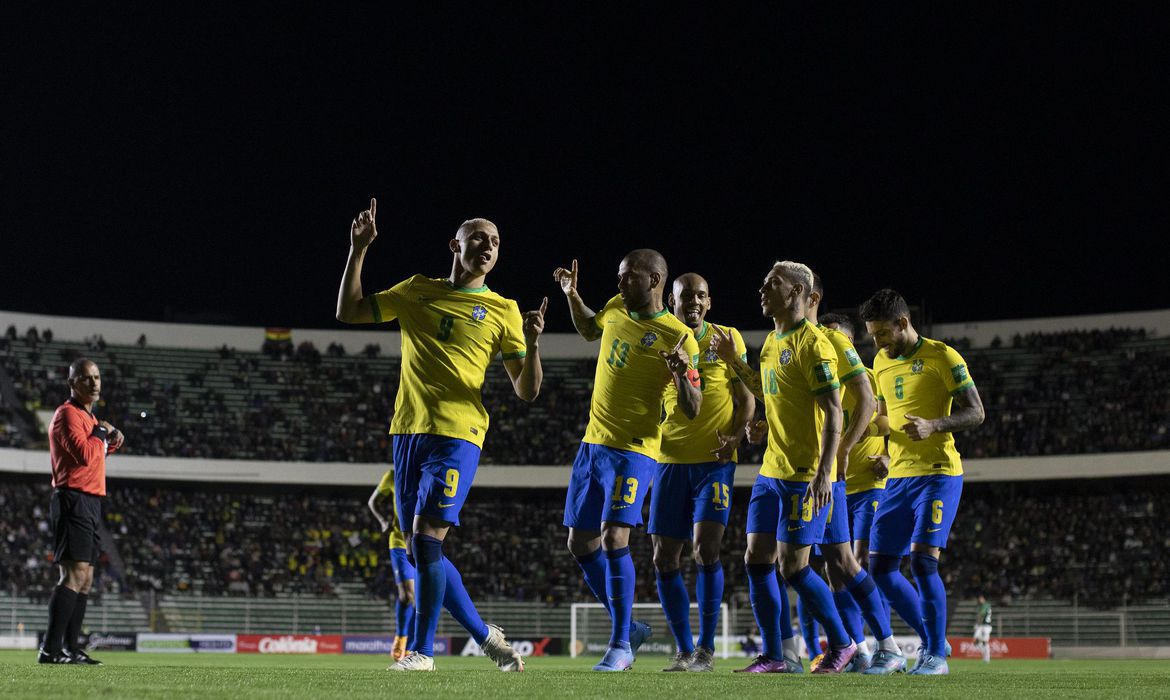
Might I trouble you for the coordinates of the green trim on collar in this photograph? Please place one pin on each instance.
(469, 290)
(643, 317)
(785, 334)
(703, 333)
(913, 350)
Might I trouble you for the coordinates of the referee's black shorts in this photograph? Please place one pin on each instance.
(76, 518)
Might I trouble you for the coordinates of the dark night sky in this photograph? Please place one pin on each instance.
(995, 161)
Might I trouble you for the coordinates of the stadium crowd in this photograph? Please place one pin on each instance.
(1034, 540)
(1054, 393)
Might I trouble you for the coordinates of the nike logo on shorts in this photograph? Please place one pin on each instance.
(446, 505)
(794, 529)
(937, 529)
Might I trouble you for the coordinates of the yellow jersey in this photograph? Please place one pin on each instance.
(449, 337)
(686, 441)
(386, 488)
(631, 378)
(860, 476)
(923, 382)
(795, 368)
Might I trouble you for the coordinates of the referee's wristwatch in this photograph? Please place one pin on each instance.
(101, 433)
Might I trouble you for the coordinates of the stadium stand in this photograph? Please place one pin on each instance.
(1055, 393)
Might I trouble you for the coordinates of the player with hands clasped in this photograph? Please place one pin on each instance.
(787, 512)
(693, 481)
(644, 350)
(452, 329)
(926, 394)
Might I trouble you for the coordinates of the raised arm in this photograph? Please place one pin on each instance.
(966, 413)
(351, 304)
(859, 426)
(724, 347)
(526, 372)
(582, 315)
(685, 378)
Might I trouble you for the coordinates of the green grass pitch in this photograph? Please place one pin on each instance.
(170, 676)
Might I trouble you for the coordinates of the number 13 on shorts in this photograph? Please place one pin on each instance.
(625, 489)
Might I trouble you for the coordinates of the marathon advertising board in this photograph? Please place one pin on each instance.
(1003, 648)
(367, 645)
(214, 643)
(288, 643)
(526, 647)
(165, 643)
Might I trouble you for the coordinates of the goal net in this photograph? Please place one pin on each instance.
(589, 629)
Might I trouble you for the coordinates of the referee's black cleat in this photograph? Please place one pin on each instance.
(80, 657)
(44, 657)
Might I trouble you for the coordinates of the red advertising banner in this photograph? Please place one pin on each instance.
(1003, 648)
(288, 644)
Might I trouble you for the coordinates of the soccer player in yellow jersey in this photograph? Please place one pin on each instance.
(452, 329)
(617, 459)
(382, 501)
(925, 390)
(798, 384)
(854, 591)
(693, 482)
(865, 480)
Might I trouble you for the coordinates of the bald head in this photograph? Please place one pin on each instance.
(85, 381)
(472, 225)
(690, 299)
(647, 260)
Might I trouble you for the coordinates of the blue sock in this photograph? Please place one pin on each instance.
(676, 604)
(430, 589)
(850, 615)
(764, 593)
(870, 604)
(404, 616)
(808, 628)
(459, 604)
(619, 586)
(595, 570)
(709, 590)
(887, 573)
(817, 594)
(934, 601)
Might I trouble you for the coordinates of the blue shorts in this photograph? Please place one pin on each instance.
(915, 510)
(837, 525)
(777, 507)
(862, 507)
(403, 569)
(607, 485)
(685, 494)
(432, 476)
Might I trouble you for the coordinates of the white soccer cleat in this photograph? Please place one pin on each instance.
(413, 661)
(498, 650)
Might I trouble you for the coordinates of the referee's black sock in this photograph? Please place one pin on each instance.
(73, 629)
(61, 604)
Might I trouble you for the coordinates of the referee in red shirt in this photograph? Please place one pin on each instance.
(78, 444)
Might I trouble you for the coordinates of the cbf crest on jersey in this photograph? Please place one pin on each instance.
(785, 356)
(917, 366)
(649, 338)
(478, 312)
(710, 356)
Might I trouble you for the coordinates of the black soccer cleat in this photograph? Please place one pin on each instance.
(80, 657)
(60, 657)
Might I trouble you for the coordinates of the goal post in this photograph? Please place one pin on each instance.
(589, 623)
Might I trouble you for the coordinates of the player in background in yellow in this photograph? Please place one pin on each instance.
(382, 501)
(693, 482)
(788, 510)
(926, 394)
(865, 481)
(452, 329)
(643, 350)
(854, 591)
